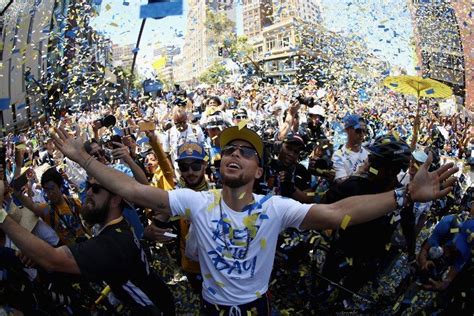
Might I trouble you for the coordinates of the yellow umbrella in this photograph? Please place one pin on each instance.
(419, 87)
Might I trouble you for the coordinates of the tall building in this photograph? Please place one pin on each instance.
(256, 15)
(123, 55)
(277, 47)
(169, 52)
(24, 30)
(445, 44)
(200, 48)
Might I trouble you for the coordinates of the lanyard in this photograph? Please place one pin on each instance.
(112, 222)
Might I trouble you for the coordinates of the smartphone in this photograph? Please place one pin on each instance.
(146, 126)
(20, 182)
(127, 131)
(117, 139)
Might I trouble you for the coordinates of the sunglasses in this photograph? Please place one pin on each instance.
(361, 130)
(95, 187)
(195, 166)
(244, 151)
(240, 117)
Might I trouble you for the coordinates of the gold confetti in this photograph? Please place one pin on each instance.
(345, 221)
(263, 243)
(219, 284)
(241, 196)
(207, 276)
(310, 193)
(454, 230)
(373, 170)
(242, 124)
(311, 241)
(258, 294)
(387, 246)
(350, 261)
(395, 307)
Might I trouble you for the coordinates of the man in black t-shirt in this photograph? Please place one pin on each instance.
(286, 176)
(113, 255)
(358, 250)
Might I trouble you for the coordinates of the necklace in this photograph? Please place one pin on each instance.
(227, 244)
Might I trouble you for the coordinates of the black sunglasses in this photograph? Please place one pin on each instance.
(240, 117)
(95, 187)
(245, 151)
(361, 130)
(195, 166)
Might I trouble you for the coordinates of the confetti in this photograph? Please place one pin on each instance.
(345, 221)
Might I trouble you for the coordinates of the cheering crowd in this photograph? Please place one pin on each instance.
(264, 200)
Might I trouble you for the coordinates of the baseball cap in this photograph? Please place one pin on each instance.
(352, 120)
(295, 139)
(215, 121)
(240, 111)
(191, 150)
(233, 133)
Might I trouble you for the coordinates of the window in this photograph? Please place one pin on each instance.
(23, 77)
(3, 37)
(15, 37)
(30, 28)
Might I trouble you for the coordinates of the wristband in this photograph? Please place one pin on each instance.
(3, 215)
(400, 196)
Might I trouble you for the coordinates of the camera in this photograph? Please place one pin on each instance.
(308, 101)
(107, 121)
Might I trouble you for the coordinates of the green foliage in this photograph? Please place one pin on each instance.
(215, 74)
(219, 25)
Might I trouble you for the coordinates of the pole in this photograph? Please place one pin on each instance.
(417, 120)
(135, 58)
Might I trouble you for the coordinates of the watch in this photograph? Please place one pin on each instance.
(3, 215)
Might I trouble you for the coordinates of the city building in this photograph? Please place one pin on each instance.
(256, 15)
(279, 43)
(200, 49)
(169, 53)
(24, 30)
(445, 45)
(122, 55)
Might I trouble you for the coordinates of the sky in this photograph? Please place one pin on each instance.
(385, 25)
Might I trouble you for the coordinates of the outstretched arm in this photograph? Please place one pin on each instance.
(52, 259)
(113, 180)
(425, 186)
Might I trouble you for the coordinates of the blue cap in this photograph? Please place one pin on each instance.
(352, 120)
(191, 150)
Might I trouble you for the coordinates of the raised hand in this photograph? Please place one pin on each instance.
(427, 186)
(121, 152)
(71, 147)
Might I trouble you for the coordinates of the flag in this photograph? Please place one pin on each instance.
(159, 63)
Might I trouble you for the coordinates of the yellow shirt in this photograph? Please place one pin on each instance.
(65, 220)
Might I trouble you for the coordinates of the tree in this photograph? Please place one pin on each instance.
(215, 74)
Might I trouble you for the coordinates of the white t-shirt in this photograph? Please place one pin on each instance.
(237, 249)
(346, 162)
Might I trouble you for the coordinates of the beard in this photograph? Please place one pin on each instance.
(193, 181)
(93, 214)
(234, 182)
